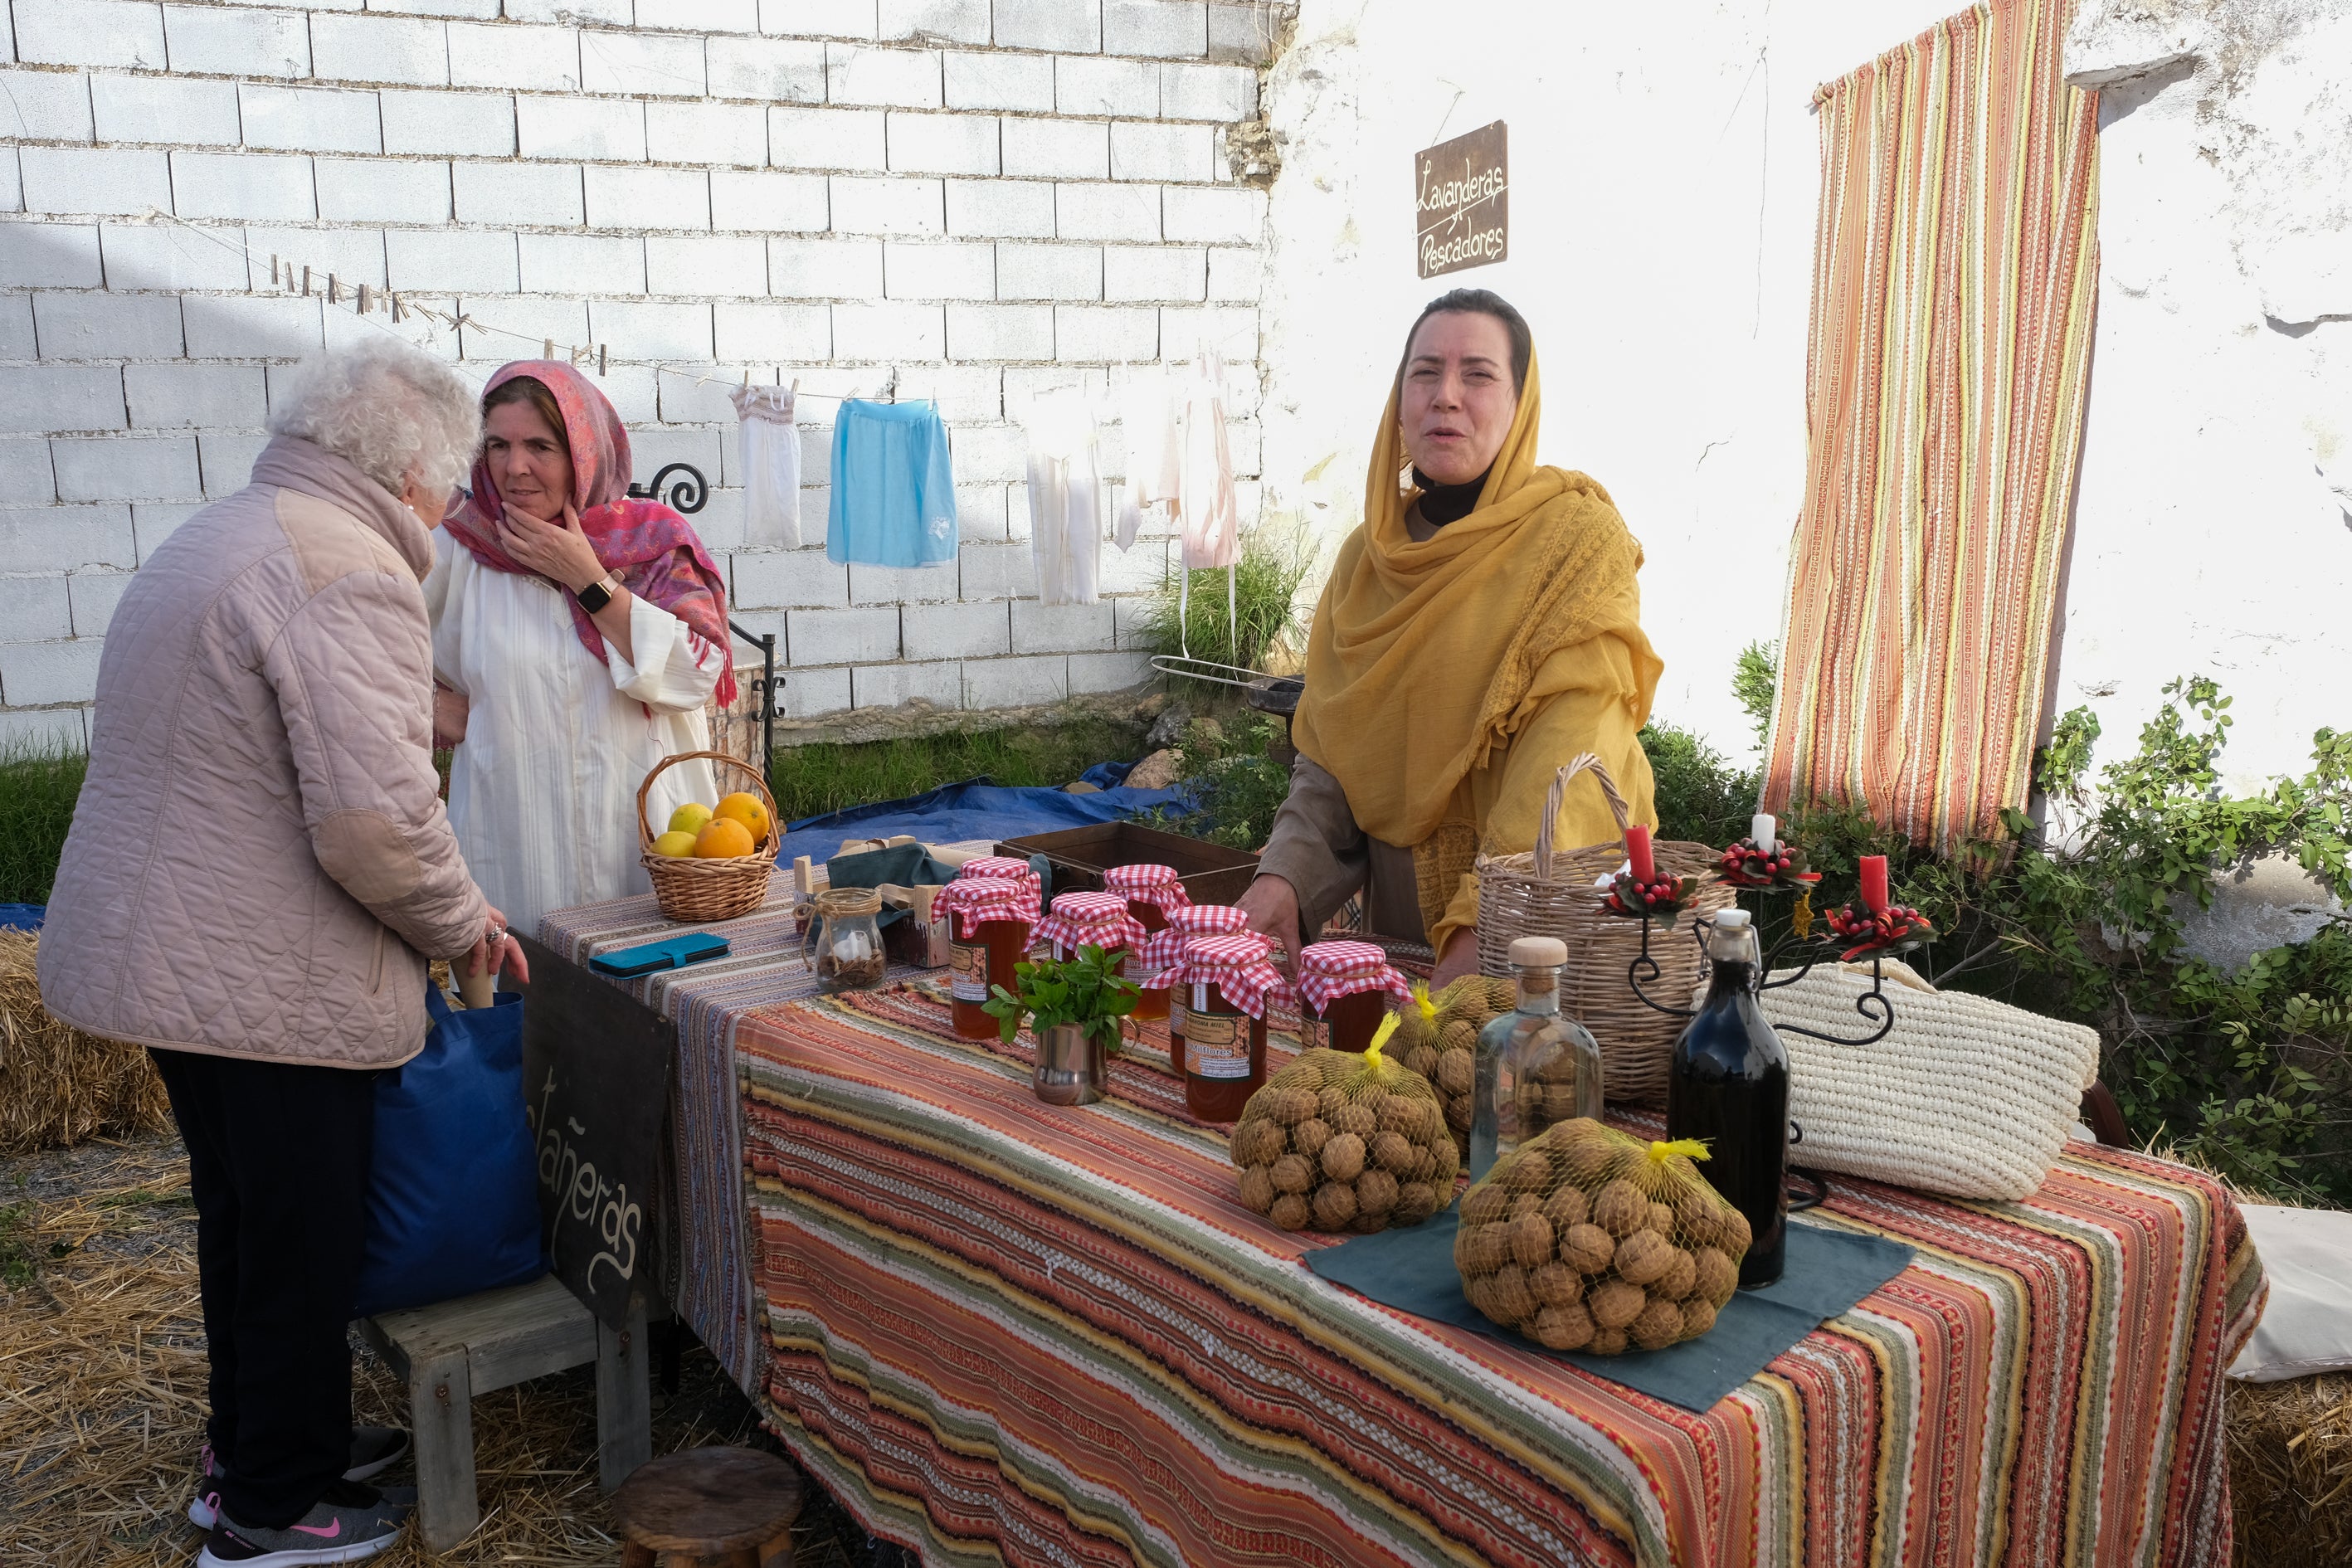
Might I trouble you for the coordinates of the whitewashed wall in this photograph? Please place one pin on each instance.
(992, 198)
(2214, 524)
(1664, 177)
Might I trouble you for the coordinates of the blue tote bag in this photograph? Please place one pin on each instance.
(453, 1200)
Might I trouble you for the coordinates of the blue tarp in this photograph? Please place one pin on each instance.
(23, 917)
(975, 808)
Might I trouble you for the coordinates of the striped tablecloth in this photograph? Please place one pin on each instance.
(713, 1289)
(1007, 1332)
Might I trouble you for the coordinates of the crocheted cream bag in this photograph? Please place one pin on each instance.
(1966, 1096)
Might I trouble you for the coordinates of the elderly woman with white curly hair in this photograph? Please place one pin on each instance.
(259, 868)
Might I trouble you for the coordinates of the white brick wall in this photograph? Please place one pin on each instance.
(990, 198)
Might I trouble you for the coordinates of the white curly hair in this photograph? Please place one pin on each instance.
(392, 411)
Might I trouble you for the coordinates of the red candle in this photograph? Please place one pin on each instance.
(1637, 851)
(1873, 883)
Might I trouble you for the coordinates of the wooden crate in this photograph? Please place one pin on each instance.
(1211, 873)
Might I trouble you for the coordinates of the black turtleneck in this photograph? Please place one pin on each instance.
(1442, 504)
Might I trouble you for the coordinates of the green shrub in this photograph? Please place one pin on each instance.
(1275, 561)
(1236, 786)
(37, 790)
(1701, 796)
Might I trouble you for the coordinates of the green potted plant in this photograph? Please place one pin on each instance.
(1074, 1007)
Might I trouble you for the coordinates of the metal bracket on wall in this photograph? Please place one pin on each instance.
(687, 495)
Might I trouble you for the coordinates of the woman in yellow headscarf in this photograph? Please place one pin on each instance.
(1482, 627)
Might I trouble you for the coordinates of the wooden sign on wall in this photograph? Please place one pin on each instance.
(1461, 207)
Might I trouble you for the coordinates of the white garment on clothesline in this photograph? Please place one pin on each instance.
(1207, 515)
(771, 465)
(1155, 450)
(1066, 512)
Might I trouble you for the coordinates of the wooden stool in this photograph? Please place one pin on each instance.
(709, 1508)
(452, 1352)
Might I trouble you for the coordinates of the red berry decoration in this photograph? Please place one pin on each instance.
(1897, 928)
(1746, 865)
(1661, 900)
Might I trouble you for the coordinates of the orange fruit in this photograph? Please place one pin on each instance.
(723, 838)
(748, 810)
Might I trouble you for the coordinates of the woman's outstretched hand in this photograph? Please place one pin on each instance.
(559, 552)
(1460, 958)
(1272, 905)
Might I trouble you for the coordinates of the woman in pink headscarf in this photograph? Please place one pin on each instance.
(577, 636)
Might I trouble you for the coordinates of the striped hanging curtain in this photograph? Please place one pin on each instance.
(1954, 270)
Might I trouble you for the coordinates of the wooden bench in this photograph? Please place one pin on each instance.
(453, 1351)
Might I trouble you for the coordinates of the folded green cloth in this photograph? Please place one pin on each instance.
(908, 866)
(1828, 1271)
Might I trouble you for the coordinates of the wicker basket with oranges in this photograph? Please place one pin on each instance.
(711, 863)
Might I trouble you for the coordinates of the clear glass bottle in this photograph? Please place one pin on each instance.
(1534, 1067)
(1727, 1083)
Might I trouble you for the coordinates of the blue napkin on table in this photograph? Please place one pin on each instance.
(1827, 1271)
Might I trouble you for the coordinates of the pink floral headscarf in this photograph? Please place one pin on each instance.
(653, 550)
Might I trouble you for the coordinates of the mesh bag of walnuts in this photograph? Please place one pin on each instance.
(1585, 1240)
(1438, 1038)
(1338, 1141)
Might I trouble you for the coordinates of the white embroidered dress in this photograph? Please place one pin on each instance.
(543, 789)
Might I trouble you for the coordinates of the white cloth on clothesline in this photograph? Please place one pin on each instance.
(1208, 517)
(771, 465)
(1065, 510)
(1155, 450)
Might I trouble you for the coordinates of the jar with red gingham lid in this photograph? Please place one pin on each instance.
(1153, 892)
(1004, 868)
(989, 935)
(1227, 984)
(1096, 920)
(1345, 988)
(1163, 954)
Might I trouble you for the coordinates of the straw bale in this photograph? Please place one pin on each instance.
(2291, 1472)
(57, 1085)
(102, 1374)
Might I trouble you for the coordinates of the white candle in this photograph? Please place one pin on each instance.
(1762, 830)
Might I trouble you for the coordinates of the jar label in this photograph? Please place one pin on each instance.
(1218, 1044)
(968, 970)
(1176, 1015)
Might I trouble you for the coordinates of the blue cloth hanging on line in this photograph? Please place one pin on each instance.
(893, 491)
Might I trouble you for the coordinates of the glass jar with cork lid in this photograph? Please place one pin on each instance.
(1532, 1067)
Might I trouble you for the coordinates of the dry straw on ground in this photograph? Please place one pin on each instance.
(103, 1393)
(57, 1085)
(2291, 1472)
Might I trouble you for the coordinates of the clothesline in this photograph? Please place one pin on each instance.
(400, 304)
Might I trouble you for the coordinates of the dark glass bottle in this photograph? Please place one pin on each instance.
(1728, 1084)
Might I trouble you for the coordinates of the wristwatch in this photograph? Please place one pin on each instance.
(599, 593)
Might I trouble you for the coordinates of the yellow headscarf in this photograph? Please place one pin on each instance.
(1421, 654)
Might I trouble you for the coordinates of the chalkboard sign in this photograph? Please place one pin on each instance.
(1462, 202)
(595, 1073)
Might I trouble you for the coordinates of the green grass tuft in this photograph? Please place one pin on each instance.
(812, 780)
(37, 791)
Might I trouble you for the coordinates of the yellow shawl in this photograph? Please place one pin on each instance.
(1428, 658)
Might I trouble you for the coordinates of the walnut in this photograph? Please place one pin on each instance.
(1292, 1173)
(1334, 1205)
(1563, 1326)
(1309, 1136)
(1376, 1193)
(1422, 1060)
(1416, 1201)
(1531, 1240)
(1607, 1342)
(1677, 1281)
(1289, 1212)
(1662, 1219)
(1454, 1072)
(1644, 1257)
(1289, 1107)
(1257, 1189)
(1620, 1209)
(1508, 1288)
(1257, 1143)
(1393, 1153)
(1327, 1103)
(1343, 1157)
(1714, 1276)
(1587, 1249)
(1614, 1304)
(1566, 1207)
(1402, 1114)
(1660, 1325)
(1482, 1248)
(1357, 1119)
(1698, 1316)
(1556, 1284)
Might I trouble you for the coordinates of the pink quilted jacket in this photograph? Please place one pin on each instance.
(258, 862)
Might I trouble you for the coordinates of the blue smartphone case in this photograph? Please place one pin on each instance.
(671, 952)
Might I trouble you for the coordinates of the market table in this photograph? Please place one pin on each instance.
(709, 1279)
(1013, 1333)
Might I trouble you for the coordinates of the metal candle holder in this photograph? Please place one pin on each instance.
(1873, 1004)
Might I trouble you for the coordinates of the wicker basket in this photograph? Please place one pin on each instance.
(691, 889)
(1549, 893)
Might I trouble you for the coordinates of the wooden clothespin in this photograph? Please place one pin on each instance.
(747, 378)
(306, 280)
(364, 299)
(600, 359)
(547, 348)
(334, 291)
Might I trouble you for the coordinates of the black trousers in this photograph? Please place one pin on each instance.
(278, 1156)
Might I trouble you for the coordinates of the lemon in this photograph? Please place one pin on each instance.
(748, 810)
(723, 838)
(674, 843)
(689, 817)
